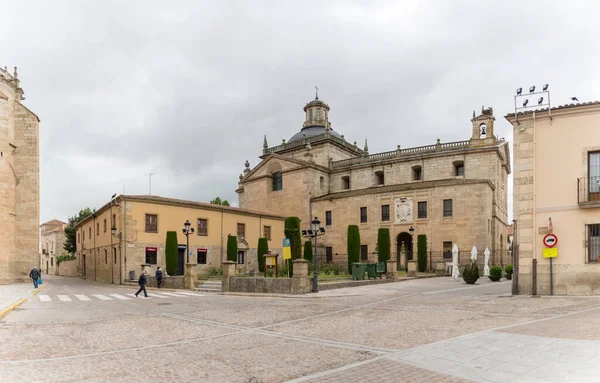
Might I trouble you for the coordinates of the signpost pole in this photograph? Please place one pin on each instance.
(551, 284)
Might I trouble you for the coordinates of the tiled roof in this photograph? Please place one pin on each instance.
(560, 107)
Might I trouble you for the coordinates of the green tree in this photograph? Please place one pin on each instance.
(308, 251)
(353, 246)
(232, 248)
(383, 245)
(292, 231)
(422, 252)
(218, 201)
(71, 241)
(263, 248)
(171, 249)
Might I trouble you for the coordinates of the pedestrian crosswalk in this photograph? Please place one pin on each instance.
(112, 297)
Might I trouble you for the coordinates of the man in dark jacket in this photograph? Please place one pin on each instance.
(142, 282)
(35, 275)
(158, 276)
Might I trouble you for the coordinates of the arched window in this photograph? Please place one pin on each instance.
(277, 181)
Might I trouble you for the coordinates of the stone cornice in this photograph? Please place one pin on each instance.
(403, 187)
(266, 159)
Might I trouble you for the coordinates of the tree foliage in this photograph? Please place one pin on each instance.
(232, 248)
(171, 250)
(263, 248)
(71, 241)
(218, 201)
(353, 246)
(422, 253)
(292, 231)
(308, 251)
(383, 245)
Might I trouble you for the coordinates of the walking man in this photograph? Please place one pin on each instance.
(142, 282)
(35, 275)
(158, 277)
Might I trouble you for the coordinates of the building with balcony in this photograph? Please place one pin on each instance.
(52, 242)
(453, 192)
(557, 180)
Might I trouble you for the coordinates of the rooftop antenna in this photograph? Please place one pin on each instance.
(150, 183)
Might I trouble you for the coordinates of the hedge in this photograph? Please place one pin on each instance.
(171, 246)
(422, 252)
(353, 246)
(383, 245)
(308, 251)
(232, 248)
(263, 248)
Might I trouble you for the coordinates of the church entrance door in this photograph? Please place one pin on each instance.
(406, 239)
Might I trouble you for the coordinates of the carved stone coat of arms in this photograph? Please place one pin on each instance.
(403, 210)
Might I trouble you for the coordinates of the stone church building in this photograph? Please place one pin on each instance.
(19, 182)
(454, 192)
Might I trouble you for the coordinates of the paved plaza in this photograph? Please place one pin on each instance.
(426, 330)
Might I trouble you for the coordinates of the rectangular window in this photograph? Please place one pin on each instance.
(52, 261)
(240, 257)
(105, 225)
(241, 230)
(363, 214)
(114, 221)
(422, 209)
(364, 252)
(277, 181)
(90, 231)
(593, 242)
(115, 255)
(267, 232)
(97, 228)
(202, 256)
(318, 113)
(105, 257)
(379, 178)
(385, 212)
(202, 226)
(594, 176)
(447, 246)
(151, 255)
(346, 183)
(417, 173)
(78, 237)
(460, 170)
(151, 223)
(329, 254)
(328, 218)
(447, 208)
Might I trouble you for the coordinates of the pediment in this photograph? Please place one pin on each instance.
(274, 163)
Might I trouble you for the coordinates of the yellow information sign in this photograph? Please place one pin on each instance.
(270, 261)
(550, 252)
(287, 253)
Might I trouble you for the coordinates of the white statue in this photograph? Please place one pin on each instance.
(455, 272)
(486, 267)
(474, 254)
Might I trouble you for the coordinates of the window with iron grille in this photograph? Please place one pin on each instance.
(241, 230)
(202, 256)
(363, 214)
(422, 209)
(202, 226)
(240, 257)
(329, 254)
(593, 242)
(267, 233)
(447, 208)
(364, 252)
(151, 223)
(385, 212)
(447, 246)
(151, 255)
(328, 218)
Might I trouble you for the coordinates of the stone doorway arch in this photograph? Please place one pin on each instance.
(406, 239)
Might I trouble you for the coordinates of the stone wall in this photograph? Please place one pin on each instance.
(169, 282)
(68, 268)
(298, 284)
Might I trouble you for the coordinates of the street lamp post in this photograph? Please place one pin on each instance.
(187, 230)
(112, 227)
(412, 245)
(316, 231)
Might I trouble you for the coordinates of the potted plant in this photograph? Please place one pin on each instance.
(471, 273)
(508, 270)
(495, 273)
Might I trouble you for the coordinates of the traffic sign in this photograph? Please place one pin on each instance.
(550, 240)
(550, 253)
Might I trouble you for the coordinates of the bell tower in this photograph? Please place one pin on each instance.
(483, 128)
(317, 113)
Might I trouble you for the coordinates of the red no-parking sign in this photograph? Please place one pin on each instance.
(550, 240)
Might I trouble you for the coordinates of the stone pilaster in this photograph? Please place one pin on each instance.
(191, 275)
(300, 281)
(412, 269)
(391, 271)
(228, 273)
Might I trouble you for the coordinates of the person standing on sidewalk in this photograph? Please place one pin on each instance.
(142, 282)
(158, 276)
(35, 275)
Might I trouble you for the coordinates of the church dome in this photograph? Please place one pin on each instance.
(312, 131)
(316, 120)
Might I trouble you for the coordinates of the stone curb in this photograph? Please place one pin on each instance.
(18, 303)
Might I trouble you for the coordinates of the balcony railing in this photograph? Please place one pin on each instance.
(588, 191)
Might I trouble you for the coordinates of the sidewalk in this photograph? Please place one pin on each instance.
(10, 294)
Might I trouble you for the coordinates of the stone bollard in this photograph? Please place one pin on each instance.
(391, 272)
(191, 276)
(440, 268)
(300, 279)
(228, 273)
(412, 269)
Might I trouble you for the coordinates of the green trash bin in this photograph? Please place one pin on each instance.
(358, 270)
(372, 270)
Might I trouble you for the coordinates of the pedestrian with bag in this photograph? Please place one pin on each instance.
(35, 275)
(142, 282)
(158, 276)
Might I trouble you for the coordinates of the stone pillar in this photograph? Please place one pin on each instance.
(412, 269)
(301, 283)
(391, 272)
(228, 272)
(191, 276)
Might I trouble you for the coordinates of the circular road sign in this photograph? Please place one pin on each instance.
(550, 240)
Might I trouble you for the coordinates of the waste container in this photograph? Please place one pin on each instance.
(132, 275)
(358, 270)
(372, 270)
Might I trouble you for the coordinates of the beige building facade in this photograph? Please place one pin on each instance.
(19, 182)
(454, 193)
(141, 224)
(557, 178)
(52, 242)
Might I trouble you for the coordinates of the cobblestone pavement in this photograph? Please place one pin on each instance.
(429, 330)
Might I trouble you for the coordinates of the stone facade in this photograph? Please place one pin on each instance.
(139, 244)
(318, 173)
(19, 182)
(52, 241)
(68, 268)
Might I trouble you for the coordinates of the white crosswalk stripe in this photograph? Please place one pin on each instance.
(102, 297)
(45, 298)
(191, 294)
(158, 296)
(175, 295)
(115, 296)
(82, 297)
(119, 296)
(64, 298)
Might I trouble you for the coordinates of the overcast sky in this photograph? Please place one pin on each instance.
(188, 89)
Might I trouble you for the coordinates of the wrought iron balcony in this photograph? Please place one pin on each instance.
(588, 192)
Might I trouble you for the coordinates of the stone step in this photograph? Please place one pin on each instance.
(209, 287)
(202, 290)
(211, 283)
